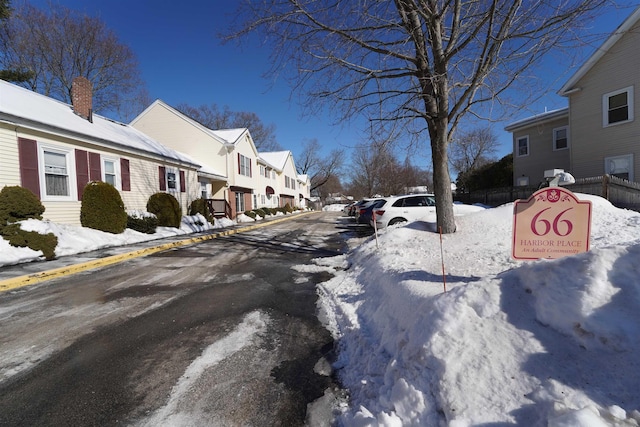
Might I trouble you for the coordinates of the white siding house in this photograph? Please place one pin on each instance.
(55, 149)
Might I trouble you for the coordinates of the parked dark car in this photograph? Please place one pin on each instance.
(366, 211)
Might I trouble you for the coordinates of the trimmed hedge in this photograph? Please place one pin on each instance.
(199, 206)
(166, 208)
(146, 224)
(102, 208)
(17, 204)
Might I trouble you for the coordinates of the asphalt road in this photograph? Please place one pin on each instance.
(221, 333)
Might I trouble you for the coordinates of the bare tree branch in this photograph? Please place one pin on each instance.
(426, 63)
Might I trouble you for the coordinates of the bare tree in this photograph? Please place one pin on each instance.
(210, 116)
(472, 149)
(320, 169)
(426, 63)
(61, 44)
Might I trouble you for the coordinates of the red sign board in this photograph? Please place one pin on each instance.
(552, 223)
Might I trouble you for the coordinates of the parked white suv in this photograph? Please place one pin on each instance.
(410, 207)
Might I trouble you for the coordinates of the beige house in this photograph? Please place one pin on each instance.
(598, 128)
(540, 143)
(55, 149)
(175, 130)
(243, 170)
(287, 183)
(228, 157)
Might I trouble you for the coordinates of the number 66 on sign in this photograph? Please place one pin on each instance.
(552, 223)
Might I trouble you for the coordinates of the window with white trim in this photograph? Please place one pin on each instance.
(110, 171)
(57, 172)
(617, 107)
(620, 166)
(561, 138)
(522, 146)
(239, 203)
(245, 165)
(172, 178)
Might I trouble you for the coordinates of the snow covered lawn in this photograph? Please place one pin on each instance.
(538, 343)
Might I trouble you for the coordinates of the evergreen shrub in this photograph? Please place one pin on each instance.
(102, 208)
(18, 203)
(166, 208)
(143, 223)
(199, 206)
(38, 242)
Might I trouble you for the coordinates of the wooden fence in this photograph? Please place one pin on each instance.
(620, 192)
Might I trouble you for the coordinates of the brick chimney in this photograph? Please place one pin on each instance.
(81, 98)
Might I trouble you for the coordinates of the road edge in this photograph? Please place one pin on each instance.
(34, 278)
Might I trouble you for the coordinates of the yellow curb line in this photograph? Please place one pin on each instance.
(32, 279)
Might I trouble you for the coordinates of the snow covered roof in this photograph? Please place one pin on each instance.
(537, 119)
(35, 111)
(600, 52)
(231, 136)
(275, 158)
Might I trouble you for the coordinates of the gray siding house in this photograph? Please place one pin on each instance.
(598, 133)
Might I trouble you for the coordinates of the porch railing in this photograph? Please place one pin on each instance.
(219, 208)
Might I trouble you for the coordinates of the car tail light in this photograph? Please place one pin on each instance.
(379, 213)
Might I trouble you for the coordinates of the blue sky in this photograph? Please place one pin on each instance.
(183, 61)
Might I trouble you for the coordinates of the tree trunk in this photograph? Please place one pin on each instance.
(441, 179)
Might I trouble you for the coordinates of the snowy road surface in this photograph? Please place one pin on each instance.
(220, 333)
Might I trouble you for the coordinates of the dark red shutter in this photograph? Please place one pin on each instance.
(238, 162)
(28, 157)
(183, 183)
(162, 172)
(95, 171)
(250, 165)
(82, 171)
(125, 175)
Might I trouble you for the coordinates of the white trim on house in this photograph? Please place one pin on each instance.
(622, 29)
(556, 131)
(606, 107)
(526, 140)
(69, 171)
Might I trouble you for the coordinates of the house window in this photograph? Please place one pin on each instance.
(245, 165)
(110, 171)
(203, 189)
(522, 146)
(172, 181)
(617, 107)
(57, 173)
(255, 201)
(620, 166)
(561, 138)
(286, 181)
(239, 203)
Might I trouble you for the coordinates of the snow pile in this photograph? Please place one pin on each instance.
(334, 207)
(526, 343)
(73, 239)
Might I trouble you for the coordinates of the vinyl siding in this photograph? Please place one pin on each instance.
(541, 156)
(143, 175)
(592, 142)
(175, 132)
(9, 165)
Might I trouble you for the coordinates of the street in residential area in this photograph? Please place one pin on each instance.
(217, 333)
